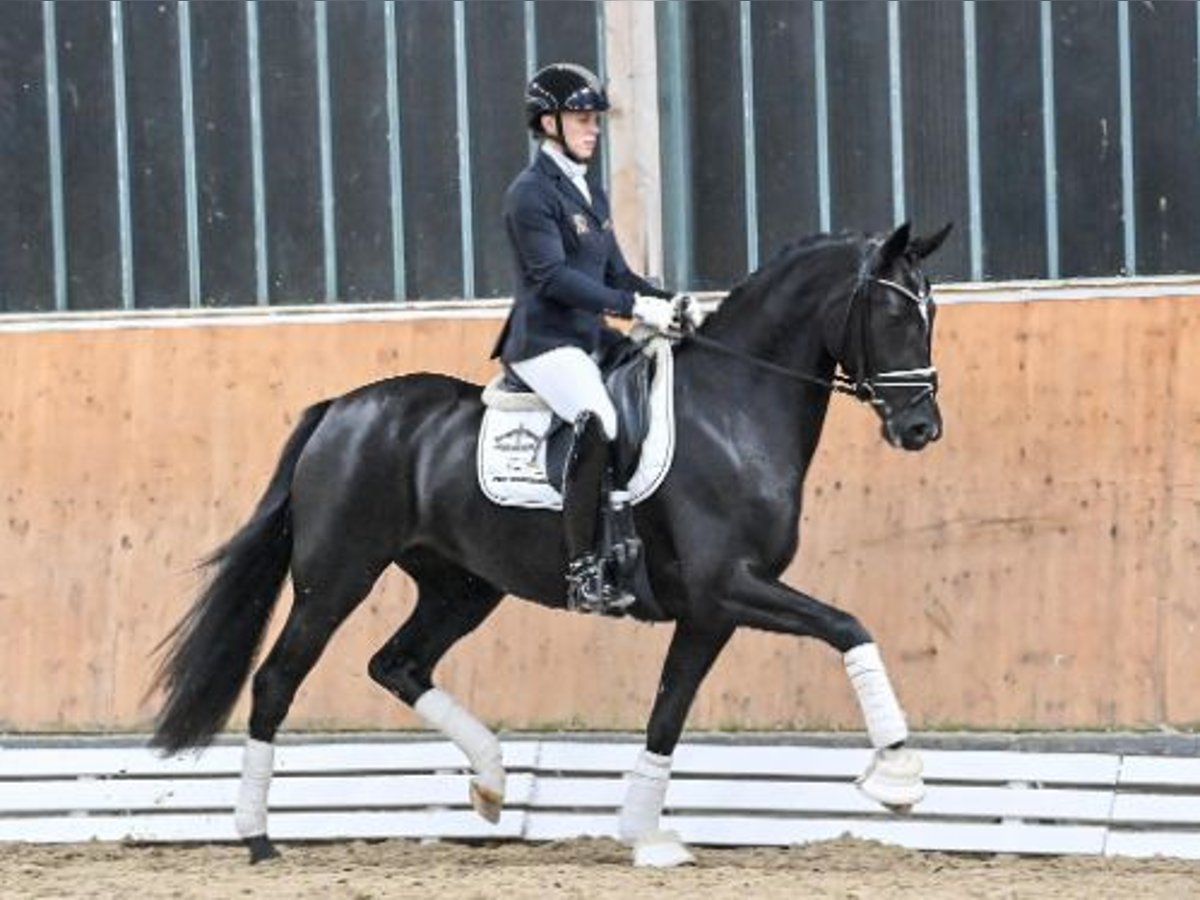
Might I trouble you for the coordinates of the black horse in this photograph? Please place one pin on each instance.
(386, 474)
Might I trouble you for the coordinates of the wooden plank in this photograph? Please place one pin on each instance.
(31, 762)
(1157, 809)
(284, 826)
(707, 759)
(997, 766)
(1003, 766)
(824, 797)
(1160, 770)
(159, 794)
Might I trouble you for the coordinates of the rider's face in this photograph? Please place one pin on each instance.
(581, 131)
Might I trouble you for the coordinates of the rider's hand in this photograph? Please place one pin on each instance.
(654, 311)
(687, 312)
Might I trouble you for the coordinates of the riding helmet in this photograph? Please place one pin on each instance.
(563, 87)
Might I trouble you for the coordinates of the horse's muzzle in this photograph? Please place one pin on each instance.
(915, 427)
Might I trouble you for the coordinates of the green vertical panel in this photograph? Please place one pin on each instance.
(934, 129)
(359, 118)
(26, 242)
(500, 144)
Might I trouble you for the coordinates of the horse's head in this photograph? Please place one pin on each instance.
(885, 342)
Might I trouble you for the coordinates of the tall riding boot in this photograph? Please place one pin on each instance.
(589, 587)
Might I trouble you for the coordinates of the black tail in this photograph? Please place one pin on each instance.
(214, 645)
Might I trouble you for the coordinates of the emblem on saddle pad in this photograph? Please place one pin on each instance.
(511, 452)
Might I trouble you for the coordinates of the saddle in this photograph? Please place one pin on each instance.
(523, 446)
(627, 374)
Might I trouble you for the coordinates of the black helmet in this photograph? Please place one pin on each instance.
(562, 87)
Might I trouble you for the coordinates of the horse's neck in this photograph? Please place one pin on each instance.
(780, 417)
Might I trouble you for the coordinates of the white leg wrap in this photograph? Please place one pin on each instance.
(881, 711)
(470, 735)
(258, 763)
(645, 791)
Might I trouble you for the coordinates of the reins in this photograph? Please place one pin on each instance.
(839, 383)
(924, 380)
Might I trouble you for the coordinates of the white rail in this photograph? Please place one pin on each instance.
(721, 794)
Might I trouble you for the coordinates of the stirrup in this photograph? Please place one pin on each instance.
(588, 591)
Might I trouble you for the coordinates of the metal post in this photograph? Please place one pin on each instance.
(58, 232)
(974, 189)
(467, 225)
(1129, 217)
(188, 126)
(896, 111)
(257, 177)
(121, 131)
(325, 132)
(676, 151)
(749, 143)
(1049, 140)
(820, 79)
(395, 170)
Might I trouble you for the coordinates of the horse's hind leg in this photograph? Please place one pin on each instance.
(451, 603)
(323, 600)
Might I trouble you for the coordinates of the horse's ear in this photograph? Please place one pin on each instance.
(895, 244)
(923, 247)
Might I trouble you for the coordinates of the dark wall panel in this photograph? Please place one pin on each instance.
(225, 185)
(499, 141)
(89, 155)
(784, 113)
(26, 243)
(157, 199)
(1088, 138)
(1011, 153)
(1166, 137)
(291, 152)
(859, 118)
(361, 176)
(934, 129)
(566, 32)
(432, 222)
(718, 150)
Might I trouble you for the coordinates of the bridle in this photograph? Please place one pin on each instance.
(923, 382)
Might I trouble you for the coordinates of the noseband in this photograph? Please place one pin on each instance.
(922, 382)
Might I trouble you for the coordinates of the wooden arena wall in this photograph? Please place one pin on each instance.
(1038, 568)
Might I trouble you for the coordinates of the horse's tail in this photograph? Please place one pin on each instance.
(214, 645)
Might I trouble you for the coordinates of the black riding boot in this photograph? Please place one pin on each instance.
(589, 584)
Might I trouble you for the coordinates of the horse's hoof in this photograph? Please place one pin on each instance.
(487, 802)
(661, 850)
(894, 779)
(261, 848)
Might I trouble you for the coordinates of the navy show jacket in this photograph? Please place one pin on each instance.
(569, 269)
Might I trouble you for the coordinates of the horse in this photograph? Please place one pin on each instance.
(385, 474)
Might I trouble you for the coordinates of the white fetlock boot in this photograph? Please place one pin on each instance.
(475, 740)
(646, 790)
(893, 778)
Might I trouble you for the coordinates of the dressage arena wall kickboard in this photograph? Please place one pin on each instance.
(722, 794)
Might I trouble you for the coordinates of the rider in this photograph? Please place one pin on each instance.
(569, 274)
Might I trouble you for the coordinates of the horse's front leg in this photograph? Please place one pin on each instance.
(691, 655)
(894, 776)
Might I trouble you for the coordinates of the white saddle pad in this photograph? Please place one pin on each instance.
(511, 454)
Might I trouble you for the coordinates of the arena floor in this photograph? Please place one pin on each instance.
(581, 868)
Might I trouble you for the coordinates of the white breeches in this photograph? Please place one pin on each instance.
(570, 383)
